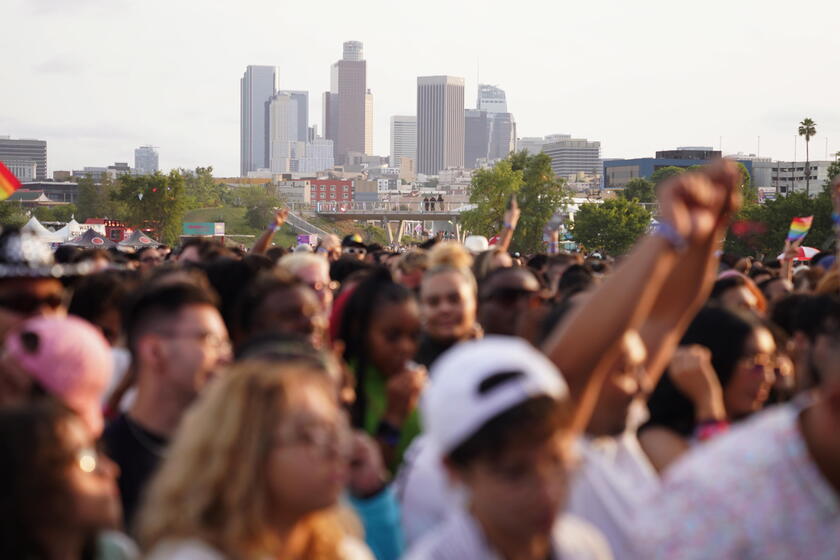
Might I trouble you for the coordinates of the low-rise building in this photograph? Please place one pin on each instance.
(331, 190)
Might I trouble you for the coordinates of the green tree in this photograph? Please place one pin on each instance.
(748, 191)
(202, 189)
(808, 129)
(639, 189)
(538, 191)
(492, 188)
(664, 172)
(12, 214)
(764, 228)
(56, 213)
(613, 226)
(542, 193)
(260, 204)
(157, 202)
(833, 171)
(96, 200)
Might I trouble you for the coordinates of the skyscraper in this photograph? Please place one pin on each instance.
(348, 106)
(488, 137)
(491, 99)
(283, 130)
(258, 84)
(440, 123)
(145, 160)
(23, 153)
(403, 138)
(301, 99)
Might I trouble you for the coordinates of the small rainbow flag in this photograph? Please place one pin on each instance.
(8, 182)
(799, 228)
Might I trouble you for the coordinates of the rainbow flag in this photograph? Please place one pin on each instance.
(8, 182)
(799, 228)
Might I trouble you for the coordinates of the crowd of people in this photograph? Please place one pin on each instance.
(445, 401)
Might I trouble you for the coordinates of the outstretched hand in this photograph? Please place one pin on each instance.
(281, 216)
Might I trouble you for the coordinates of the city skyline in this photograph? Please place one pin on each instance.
(631, 87)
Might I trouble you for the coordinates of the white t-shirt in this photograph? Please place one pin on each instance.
(614, 478)
(424, 491)
(752, 493)
(614, 481)
(461, 538)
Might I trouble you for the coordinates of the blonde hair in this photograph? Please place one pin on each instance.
(213, 484)
(298, 261)
(449, 253)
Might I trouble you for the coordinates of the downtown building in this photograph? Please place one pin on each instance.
(440, 123)
(403, 139)
(257, 86)
(348, 106)
(293, 146)
(25, 158)
(145, 160)
(489, 130)
(619, 172)
(571, 157)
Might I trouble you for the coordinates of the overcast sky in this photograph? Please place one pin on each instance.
(97, 78)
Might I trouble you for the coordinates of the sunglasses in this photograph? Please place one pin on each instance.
(355, 251)
(28, 304)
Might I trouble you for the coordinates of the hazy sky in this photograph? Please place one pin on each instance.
(97, 78)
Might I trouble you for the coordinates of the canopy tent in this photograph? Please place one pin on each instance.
(63, 234)
(92, 240)
(36, 228)
(138, 240)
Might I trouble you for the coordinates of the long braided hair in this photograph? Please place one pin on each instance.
(376, 291)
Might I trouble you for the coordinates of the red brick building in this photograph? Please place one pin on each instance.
(331, 190)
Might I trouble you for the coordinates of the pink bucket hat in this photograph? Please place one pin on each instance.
(69, 358)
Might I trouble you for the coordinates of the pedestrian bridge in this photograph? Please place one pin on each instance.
(393, 211)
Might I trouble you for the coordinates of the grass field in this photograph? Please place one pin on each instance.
(235, 224)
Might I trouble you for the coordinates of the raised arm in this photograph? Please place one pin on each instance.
(686, 289)
(264, 240)
(584, 345)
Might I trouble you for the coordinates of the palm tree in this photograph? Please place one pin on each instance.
(807, 128)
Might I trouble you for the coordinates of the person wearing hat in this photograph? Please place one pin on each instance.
(66, 358)
(353, 246)
(505, 443)
(30, 279)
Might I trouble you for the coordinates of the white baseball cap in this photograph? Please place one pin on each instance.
(476, 243)
(455, 405)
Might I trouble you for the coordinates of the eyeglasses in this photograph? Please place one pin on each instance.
(327, 441)
(321, 286)
(354, 251)
(28, 304)
(759, 365)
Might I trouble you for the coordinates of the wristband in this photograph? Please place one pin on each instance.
(272, 226)
(667, 232)
(507, 225)
(710, 428)
(388, 433)
(835, 218)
